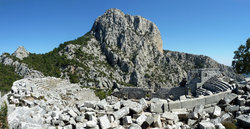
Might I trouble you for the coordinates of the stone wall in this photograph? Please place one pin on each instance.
(173, 93)
(202, 100)
(132, 93)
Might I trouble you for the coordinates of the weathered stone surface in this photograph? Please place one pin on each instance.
(225, 117)
(174, 105)
(72, 113)
(217, 111)
(170, 116)
(244, 121)
(127, 120)
(21, 53)
(104, 122)
(121, 113)
(134, 106)
(156, 107)
(191, 122)
(134, 126)
(206, 125)
(229, 98)
(232, 108)
(142, 118)
(219, 126)
(157, 121)
(91, 124)
(198, 109)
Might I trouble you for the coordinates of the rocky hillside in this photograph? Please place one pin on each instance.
(120, 50)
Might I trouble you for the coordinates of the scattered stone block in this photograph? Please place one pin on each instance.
(191, 122)
(91, 124)
(244, 121)
(72, 113)
(142, 118)
(104, 122)
(80, 119)
(156, 107)
(134, 126)
(157, 121)
(206, 125)
(232, 108)
(121, 113)
(170, 116)
(127, 120)
(217, 111)
(219, 126)
(225, 117)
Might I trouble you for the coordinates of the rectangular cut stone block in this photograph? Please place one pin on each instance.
(211, 99)
(174, 105)
(188, 103)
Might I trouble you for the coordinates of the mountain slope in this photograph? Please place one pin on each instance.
(120, 50)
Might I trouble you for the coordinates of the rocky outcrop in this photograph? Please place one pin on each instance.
(21, 53)
(21, 69)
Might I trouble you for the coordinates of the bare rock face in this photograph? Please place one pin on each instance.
(21, 69)
(128, 33)
(21, 53)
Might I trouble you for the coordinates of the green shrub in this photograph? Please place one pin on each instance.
(229, 125)
(4, 116)
(102, 94)
(7, 77)
(74, 78)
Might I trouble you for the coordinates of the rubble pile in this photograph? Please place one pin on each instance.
(54, 103)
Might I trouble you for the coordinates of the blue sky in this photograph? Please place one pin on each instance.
(209, 27)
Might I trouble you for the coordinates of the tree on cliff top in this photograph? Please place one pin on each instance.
(241, 62)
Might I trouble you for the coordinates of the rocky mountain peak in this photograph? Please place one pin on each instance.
(21, 53)
(128, 33)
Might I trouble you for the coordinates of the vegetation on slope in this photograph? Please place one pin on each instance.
(4, 116)
(8, 76)
(50, 63)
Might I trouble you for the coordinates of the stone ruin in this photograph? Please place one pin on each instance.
(207, 81)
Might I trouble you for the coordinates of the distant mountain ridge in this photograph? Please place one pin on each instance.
(120, 50)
